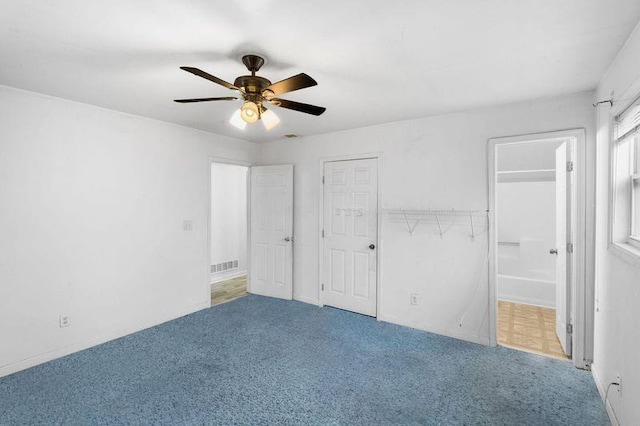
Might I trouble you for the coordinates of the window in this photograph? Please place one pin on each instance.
(634, 237)
(626, 177)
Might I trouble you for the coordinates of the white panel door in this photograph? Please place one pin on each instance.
(270, 272)
(563, 236)
(350, 235)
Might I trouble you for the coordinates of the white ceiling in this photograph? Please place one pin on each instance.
(375, 61)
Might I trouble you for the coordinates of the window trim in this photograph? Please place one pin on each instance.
(634, 227)
(629, 248)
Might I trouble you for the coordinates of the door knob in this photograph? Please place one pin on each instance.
(553, 251)
(372, 246)
(287, 239)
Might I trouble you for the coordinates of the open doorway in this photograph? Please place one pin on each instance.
(532, 207)
(228, 227)
(537, 244)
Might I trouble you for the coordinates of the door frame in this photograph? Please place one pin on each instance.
(581, 297)
(222, 160)
(321, 163)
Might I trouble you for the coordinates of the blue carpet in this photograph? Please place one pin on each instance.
(258, 360)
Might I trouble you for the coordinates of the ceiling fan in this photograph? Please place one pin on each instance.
(256, 92)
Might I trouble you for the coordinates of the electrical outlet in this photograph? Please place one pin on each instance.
(619, 381)
(414, 299)
(187, 225)
(64, 321)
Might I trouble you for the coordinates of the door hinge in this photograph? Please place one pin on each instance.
(323, 233)
(569, 166)
(569, 328)
(323, 180)
(322, 286)
(569, 248)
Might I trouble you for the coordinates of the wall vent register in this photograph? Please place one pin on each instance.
(224, 266)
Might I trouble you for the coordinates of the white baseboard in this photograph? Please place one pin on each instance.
(14, 367)
(216, 278)
(482, 340)
(473, 338)
(309, 300)
(602, 389)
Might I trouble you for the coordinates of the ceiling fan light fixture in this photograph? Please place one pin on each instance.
(249, 112)
(256, 91)
(237, 121)
(268, 94)
(269, 119)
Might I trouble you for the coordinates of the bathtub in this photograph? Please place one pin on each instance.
(526, 274)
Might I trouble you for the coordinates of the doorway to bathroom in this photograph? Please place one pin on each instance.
(534, 261)
(228, 227)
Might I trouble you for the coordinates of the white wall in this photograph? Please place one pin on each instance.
(617, 324)
(527, 156)
(527, 210)
(432, 162)
(92, 204)
(228, 217)
(526, 216)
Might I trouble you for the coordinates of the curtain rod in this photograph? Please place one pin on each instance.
(608, 101)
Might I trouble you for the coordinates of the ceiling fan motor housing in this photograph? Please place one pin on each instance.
(252, 83)
(252, 88)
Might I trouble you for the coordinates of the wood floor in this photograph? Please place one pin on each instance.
(228, 290)
(529, 328)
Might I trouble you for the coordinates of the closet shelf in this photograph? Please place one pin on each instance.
(540, 175)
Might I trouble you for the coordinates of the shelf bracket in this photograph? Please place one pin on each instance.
(409, 227)
(439, 226)
(473, 233)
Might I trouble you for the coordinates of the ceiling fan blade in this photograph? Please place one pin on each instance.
(187, 101)
(209, 77)
(290, 84)
(298, 106)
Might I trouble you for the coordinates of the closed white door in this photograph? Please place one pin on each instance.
(271, 270)
(350, 235)
(563, 236)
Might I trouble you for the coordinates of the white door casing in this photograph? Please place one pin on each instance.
(271, 221)
(350, 240)
(581, 284)
(563, 237)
